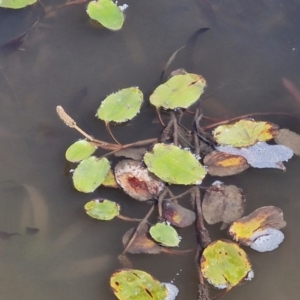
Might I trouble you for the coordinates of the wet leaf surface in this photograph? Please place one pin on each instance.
(90, 173)
(224, 264)
(142, 242)
(137, 181)
(262, 155)
(80, 150)
(164, 234)
(107, 13)
(16, 4)
(121, 106)
(178, 215)
(174, 165)
(289, 139)
(136, 285)
(102, 209)
(223, 203)
(245, 133)
(180, 91)
(244, 228)
(224, 164)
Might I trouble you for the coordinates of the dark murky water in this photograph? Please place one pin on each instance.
(250, 46)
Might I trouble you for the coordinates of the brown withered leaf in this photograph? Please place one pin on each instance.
(142, 242)
(223, 164)
(134, 153)
(177, 215)
(223, 203)
(264, 217)
(137, 181)
(289, 139)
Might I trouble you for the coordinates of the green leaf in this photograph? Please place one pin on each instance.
(225, 264)
(90, 173)
(245, 133)
(130, 284)
(165, 234)
(102, 209)
(107, 13)
(80, 150)
(121, 106)
(180, 91)
(16, 4)
(174, 165)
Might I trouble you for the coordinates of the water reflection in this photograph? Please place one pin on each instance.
(249, 48)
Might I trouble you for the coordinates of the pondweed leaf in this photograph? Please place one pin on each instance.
(121, 106)
(165, 235)
(136, 181)
(90, 173)
(225, 264)
(180, 91)
(107, 13)
(102, 209)
(174, 165)
(136, 285)
(16, 4)
(80, 150)
(245, 133)
(243, 229)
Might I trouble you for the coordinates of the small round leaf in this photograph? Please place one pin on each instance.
(107, 13)
(174, 165)
(165, 234)
(80, 150)
(180, 91)
(102, 209)
(90, 173)
(121, 106)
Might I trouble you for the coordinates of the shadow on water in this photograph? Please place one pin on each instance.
(249, 48)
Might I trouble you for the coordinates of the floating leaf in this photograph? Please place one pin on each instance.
(289, 139)
(107, 13)
(142, 243)
(223, 203)
(266, 240)
(102, 209)
(110, 180)
(245, 133)
(90, 173)
(224, 264)
(224, 164)
(137, 285)
(180, 91)
(243, 229)
(164, 234)
(80, 150)
(121, 106)
(174, 165)
(136, 181)
(177, 215)
(262, 155)
(16, 4)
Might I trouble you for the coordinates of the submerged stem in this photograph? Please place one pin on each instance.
(110, 132)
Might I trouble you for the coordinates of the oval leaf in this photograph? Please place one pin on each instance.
(245, 133)
(80, 150)
(165, 234)
(136, 285)
(137, 181)
(16, 4)
(224, 264)
(102, 209)
(243, 229)
(107, 13)
(174, 165)
(180, 91)
(121, 106)
(90, 173)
